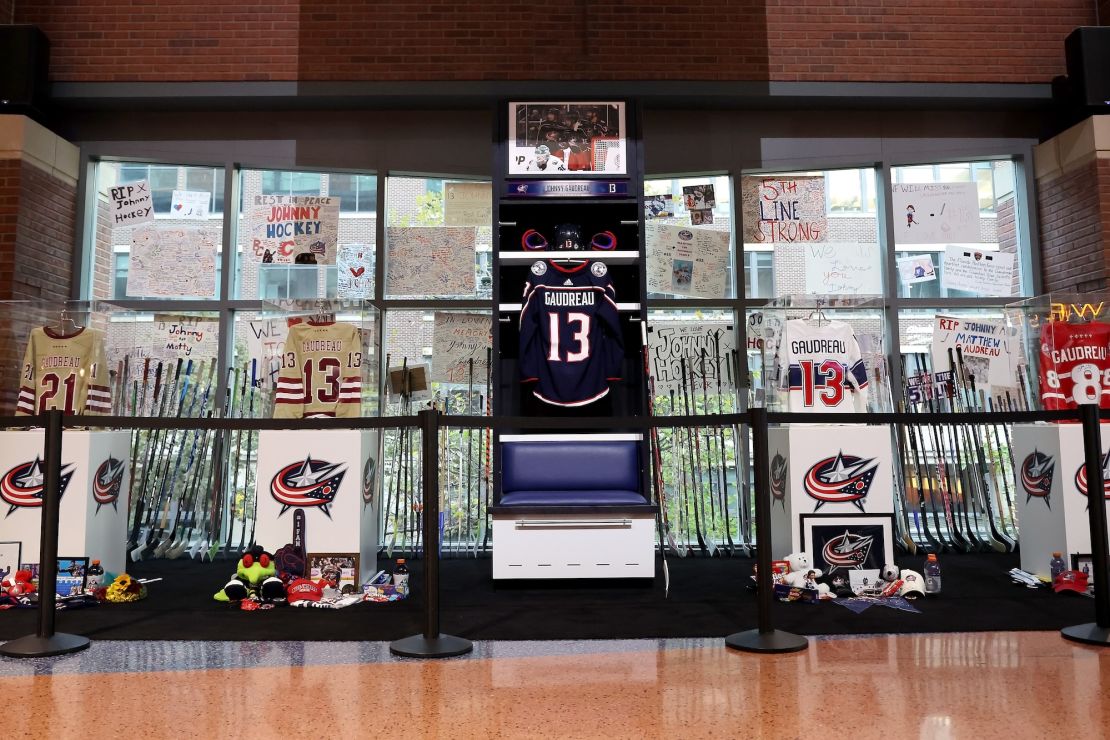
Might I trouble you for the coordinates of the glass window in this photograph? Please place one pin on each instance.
(811, 233)
(697, 202)
(939, 209)
(268, 262)
(435, 230)
(208, 181)
(167, 258)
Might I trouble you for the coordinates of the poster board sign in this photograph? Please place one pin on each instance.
(783, 210)
(834, 268)
(265, 343)
(978, 271)
(669, 342)
(917, 268)
(935, 213)
(355, 270)
(294, 229)
(468, 204)
(130, 204)
(191, 204)
(430, 260)
(188, 337)
(687, 261)
(458, 338)
(985, 344)
(177, 261)
(576, 137)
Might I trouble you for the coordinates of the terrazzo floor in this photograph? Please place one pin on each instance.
(957, 685)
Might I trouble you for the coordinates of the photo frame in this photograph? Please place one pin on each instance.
(341, 567)
(847, 542)
(581, 138)
(9, 559)
(73, 574)
(1080, 560)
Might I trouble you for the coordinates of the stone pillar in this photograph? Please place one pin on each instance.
(1073, 204)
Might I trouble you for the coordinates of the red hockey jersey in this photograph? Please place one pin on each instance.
(1075, 365)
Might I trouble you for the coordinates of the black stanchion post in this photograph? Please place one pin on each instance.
(765, 639)
(431, 644)
(1097, 632)
(46, 642)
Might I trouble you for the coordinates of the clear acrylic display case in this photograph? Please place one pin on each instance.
(819, 354)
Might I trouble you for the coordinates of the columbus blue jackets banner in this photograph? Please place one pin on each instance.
(1037, 470)
(840, 479)
(842, 543)
(22, 485)
(307, 483)
(107, 481)
(566, 189)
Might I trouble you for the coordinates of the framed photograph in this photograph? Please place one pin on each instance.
(1082, 563)
(847, 542)
(72, 576)
(9, 558)
(340, 568)
(567, 139)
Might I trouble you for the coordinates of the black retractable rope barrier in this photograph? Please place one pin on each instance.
(46, 642)
(1097, 632)
(432, 643)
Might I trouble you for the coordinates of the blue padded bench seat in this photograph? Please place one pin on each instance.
(572, 473)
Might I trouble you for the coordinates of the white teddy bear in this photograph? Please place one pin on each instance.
(803, 575)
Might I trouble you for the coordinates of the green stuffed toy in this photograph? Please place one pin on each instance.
(255, 577)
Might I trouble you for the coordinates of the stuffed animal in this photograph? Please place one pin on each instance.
(803, 575)
(255, 575)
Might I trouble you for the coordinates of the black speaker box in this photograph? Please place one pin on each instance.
(1087, 50)
(24, 61)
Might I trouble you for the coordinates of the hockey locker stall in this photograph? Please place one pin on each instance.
(570, 503)
(92, 517)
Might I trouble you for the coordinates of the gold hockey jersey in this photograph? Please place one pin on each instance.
(321, 372)
(68, 372)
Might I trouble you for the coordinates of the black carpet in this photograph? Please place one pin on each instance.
(708, 598)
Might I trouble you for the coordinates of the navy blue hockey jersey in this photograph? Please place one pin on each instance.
(570, 339)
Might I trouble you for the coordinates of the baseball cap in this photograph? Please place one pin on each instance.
(1071, 580)
(303, 589)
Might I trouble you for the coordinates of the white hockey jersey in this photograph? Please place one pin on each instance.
(821, 368)
(321, 372)
(67, 372)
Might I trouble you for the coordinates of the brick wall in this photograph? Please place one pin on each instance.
(44, 237)
(887, 40)
(9, 215)
(7, 11)
(1074, 213)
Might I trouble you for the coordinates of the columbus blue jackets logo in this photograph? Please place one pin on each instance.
(369, 470)
(842, 479)
(22, 485)
(848, 551)
(307, 483)
(1081, 477)
(1036, 476)
(107, 482)
(778, 480)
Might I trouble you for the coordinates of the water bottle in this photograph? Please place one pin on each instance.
(932, 575)
(1056, 565)
(94, 575)
(401, 575)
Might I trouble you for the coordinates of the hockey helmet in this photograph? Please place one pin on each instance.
(913, 585)
(543, 150)
(568, 236)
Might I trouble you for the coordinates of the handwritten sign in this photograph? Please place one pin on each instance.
(671, 342)
(687, 261)
(190, 204)
(430, 260)
(843, 269)
(985, 345)
(356, 271)
(130, 204)
(783, 209)
(177, 261)
(458, 338)
(935, 213)
(265, 342)
(468, 204)
(188, 337)
(294, 229)
(978, 271)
